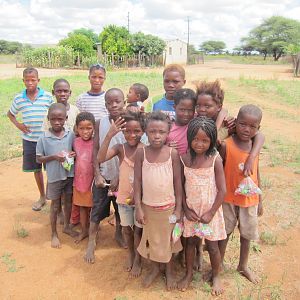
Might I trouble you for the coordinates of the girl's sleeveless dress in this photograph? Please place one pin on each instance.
(201, 191)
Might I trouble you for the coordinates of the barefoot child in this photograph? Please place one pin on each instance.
(49, 150)
(204, 193)
(138, 93)
(106, 174)
(157, 196)
(132, 125)
(33, 104)
(84, 172)
(239, 208)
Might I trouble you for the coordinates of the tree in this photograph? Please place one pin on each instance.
(115, 40)
(88, 33)
(147, 44)
(213, 47)
(7, 47)
(273, 36)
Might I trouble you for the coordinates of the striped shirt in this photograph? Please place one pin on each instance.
(93, 103)
(33, 112)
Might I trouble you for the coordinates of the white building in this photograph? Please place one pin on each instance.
(175, 52)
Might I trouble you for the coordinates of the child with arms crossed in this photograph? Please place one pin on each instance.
(132, 125)
(158, 196)
(49, 150)
(241, 209)
(204, 193)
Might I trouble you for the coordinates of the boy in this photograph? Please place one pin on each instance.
(239, 208)
(106, 174)
(173, 80)
(52, 148)
(93, 100)
(138, 93)
(33, 104)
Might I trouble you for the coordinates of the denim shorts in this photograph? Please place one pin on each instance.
(127, 215)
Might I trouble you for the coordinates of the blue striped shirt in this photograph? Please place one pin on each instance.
(33, 112)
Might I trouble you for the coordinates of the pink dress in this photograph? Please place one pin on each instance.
(179, 135)
(201, 191)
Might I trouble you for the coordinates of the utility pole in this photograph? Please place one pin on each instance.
(188, 38)
(128, 21)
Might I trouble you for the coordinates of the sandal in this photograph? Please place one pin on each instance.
(37, 206)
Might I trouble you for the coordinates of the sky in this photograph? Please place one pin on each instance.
(48, 21)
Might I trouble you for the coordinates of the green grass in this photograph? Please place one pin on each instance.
(268, 238)
(10, 263)
(20, 230)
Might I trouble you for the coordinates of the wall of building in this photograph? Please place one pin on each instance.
(175, 52)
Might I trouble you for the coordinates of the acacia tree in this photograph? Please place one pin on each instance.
(273, 36)
(147, 44)
(213, 46)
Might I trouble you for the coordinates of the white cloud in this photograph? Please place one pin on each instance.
(48, 21)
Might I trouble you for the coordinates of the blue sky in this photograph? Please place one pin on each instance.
(48, 21)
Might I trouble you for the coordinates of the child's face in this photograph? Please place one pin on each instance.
(247, 126)
(132, 96)
(31, 81)
(62, 92)
(207, 107)
(57, 119)
(184, 111)
(173, 81)
(157, 132)
(97, 78)
(133, 132)
(115, 104)
(201, 142)
(85, 129)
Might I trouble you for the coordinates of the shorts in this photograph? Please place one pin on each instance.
(101, 204)
(29, 157)
(127, 215)
(56, 189)
(246, 217)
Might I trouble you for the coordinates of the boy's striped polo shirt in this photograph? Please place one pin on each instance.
(33, 112)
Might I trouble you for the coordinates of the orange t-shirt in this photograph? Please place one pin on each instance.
(234, 165)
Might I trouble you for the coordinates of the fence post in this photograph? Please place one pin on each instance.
(112, 60)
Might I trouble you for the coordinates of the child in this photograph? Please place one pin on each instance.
(173, 80)
(33, 103)
(62, 92)
(106, 174)
(238, 208)
(184, 105)
(132, 125)
(93, 101)
(84, 172)
(204, 193)
(210, 98)
(138, 93)
(49, 151)
(157, 196)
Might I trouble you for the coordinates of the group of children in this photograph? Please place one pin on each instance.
(171, 174)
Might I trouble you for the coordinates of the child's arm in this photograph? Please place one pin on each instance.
(221, 116)
(222, 152)
(104, 153)
(19, 125)
(137, 185)
(221, 188)
(177, 181)
(260, 209)
(258, 142)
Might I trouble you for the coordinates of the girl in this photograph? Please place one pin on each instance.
(84, 172)
(133, 132)
(158, 197)
(204, 193)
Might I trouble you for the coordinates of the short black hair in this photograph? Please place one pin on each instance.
(85, 116)
(158, 116)
(209, 127)
(97, 67)
(112, 90)
(142, 90)
(135, 116)
(57, 81)
(252, 110)
(30, 70)
(57, 106)
(182, 94)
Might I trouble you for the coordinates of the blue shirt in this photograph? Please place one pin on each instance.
(166, 106)
(33, 112)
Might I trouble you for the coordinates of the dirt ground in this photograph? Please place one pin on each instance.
(31, 269)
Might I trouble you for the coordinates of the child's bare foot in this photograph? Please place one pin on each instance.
(136, 269)
(129, 263)
(171, 280)
(55, 243)
(89, 256)
(67, 230)
(217, 288)
(81, 236)
(149, 279)
(184, 283)
(198, 262)
(246, 272)
(181, 258)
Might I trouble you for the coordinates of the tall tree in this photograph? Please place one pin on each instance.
(213, 46)
(88, 33)
(147, 44)
(273, 36)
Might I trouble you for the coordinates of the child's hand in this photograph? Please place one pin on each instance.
(191, 215)
(116, 126)
(260, 209)
(100, 181)
(114, 184)
(177, 213)
(72, 154)
(60, 157)
(173, 144)
(23, 128)
(229, 122)
(140, 215)
(248, 166)
(206, 218)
